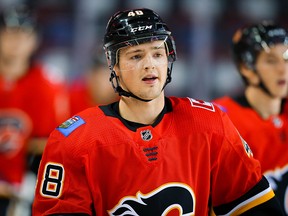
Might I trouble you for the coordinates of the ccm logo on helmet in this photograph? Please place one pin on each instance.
(141, 28)
(276, 32)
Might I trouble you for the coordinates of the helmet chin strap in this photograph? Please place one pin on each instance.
(262, 86)
(122, 92)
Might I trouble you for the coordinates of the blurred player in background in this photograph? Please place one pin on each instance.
(93, 87)
(261, 56)
(32, 102)
(148, 154)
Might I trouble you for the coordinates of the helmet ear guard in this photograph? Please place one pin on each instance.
(248, 60)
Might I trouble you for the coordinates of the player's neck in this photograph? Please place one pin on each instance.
(265, 105)
(14, 69)
(138, 111)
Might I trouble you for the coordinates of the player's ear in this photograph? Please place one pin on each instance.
(250, 75)
(116, 69)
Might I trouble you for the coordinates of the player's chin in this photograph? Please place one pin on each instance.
(281, 94)
(151, 95)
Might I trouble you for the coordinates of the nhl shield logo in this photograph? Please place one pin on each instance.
(146, 135)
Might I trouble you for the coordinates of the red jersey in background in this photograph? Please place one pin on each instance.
(268, 139)
(30, 107)
(79, 97)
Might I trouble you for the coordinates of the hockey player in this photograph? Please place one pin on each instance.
(93, 87)
(31, 105)
(261, 56)
(149, 154)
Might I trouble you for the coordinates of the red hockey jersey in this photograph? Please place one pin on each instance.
(191, 159)
(30, 107)
(268, 140)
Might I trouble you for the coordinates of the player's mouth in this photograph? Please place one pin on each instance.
(150, 79)
(282, 82)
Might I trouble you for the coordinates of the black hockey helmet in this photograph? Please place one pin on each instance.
(133, 27)
(19, 16)
(249, 41)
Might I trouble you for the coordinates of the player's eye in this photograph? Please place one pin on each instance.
(158, 54)
(136, 57)
(271, 60)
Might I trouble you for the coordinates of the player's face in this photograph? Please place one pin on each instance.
(272, 67)
(17, 43)
(99, 86)
(142, 69)
(16, 47)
